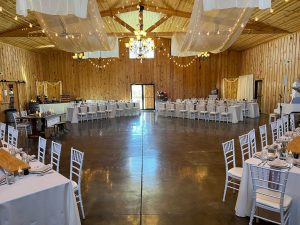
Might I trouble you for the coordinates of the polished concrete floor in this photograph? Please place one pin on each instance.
(154, 171)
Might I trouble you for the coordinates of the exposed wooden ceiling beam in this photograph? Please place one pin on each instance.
(20, 32)
(148, 7)
(257, 27)
(157, 24)
(124, 24)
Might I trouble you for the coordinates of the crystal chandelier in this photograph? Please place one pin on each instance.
(140, 45)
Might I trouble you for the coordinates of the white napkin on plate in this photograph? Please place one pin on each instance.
(41, 169)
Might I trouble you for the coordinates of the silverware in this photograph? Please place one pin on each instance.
(42, 174)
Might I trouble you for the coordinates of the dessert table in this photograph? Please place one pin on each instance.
(244, 200)
(38, 200)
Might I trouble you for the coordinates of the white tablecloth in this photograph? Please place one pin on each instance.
(39, 200)
(59, 108)
(72, 115)
(244, 200)
(253, 110)
(236, 112)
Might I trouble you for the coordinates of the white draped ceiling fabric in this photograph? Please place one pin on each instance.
(114, 53)
(72, 33)
(53, 7)
(215, 25)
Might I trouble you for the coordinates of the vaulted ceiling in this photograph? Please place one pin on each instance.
(161, 18)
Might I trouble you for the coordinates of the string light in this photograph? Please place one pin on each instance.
(105, 65)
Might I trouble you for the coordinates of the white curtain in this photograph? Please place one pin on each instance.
(114, 53)
(226, 4)
(245, 87)
(53, 7)
(217, 29)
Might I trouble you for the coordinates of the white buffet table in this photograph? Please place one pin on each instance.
(59, 108)
(38, 200)
(244, 200)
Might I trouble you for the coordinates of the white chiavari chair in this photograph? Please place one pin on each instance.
(269, 193)
(279, 128)
(184, 112)
(92, 112)
(203, 113)
(101, 112)
(274, 131)
(233, 173)
(245, 147)
(19, 125)
(252, 141)
(42, 150)
(55, 155)
(170, 109)
(75, 175)
(263, 135)
(2, 131)
(292, 121)
(213, 114)
(82, 114)
(119, 109)
(162, 109)
(285, 121)
(225, 116)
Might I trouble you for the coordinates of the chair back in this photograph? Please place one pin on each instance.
(292, 121)
(263, 135)
(55, 155)
(274, 131)
(285, 121)
(12, 137)
(279, 128)
(229, 154)
(245, 147)
(2, 131)
(83, 109)
(252, 141)
(76, 165)
(269, 183)
(23, 113)
(211, 108)
(16, 117)
(42, 149)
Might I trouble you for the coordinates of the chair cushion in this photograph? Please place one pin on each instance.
(270, 201)
(214, 113)
(203, 112)
(81, 114)
(171, 110)
(183, 110)
(193, 111)
(74, 184)
(236, 172)
(225, 113)
(101, 112)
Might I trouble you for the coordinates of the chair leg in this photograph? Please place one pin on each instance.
(252, 212)
(225, 189)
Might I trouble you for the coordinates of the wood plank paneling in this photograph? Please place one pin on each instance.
(81, 79)
(271, 62)
(20, 64)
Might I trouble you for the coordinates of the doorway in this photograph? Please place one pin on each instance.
(144, 94)
(258, 92)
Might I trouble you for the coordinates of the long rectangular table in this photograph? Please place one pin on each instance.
(244, 200)
(39, 200)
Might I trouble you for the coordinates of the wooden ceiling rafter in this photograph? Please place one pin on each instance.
(158, 23)
(123, 23)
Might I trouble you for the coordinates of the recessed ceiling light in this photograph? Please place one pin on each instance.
(46, 46)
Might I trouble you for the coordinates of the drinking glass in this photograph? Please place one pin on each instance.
(10, 178)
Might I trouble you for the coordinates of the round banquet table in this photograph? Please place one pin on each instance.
(294, 145)
(236, 112)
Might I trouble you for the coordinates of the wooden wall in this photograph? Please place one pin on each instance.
(81, 79)
(23, 65)
(271, 62)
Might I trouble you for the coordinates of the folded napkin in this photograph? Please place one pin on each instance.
(278, 163)
(271, 156)
(41, 169)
